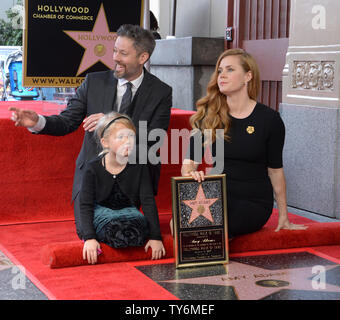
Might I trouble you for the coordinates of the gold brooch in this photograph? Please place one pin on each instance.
(250, 129)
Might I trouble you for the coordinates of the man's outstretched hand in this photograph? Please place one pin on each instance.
(24, 118)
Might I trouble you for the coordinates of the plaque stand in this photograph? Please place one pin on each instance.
(200, 221)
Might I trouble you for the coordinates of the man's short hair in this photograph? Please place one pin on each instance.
(143, 39)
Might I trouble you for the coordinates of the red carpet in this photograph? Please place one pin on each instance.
(61, 253)
(68, 254)
(37, 228)
(120, 280)
(37, 171)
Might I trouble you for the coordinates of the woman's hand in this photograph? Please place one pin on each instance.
(278, 181)
(285, 224)
(157, 249)
(197, 175)
(189, 168)
(172, 227)
(90, 250)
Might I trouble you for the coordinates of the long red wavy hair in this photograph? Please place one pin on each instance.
(212, 109)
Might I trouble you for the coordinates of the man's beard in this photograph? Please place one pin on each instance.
(125, 72)
(118, 74)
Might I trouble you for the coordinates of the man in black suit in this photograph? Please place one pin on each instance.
(129, 89)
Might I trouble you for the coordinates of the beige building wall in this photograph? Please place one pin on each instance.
(310, 107)
(311, 75)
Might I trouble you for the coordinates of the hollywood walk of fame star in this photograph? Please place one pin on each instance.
(5, 263)
(98, 43)
(253, 283)
(200, 206)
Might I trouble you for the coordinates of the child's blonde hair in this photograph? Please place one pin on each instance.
(108, 122)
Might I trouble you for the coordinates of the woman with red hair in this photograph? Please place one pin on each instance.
(253, 138)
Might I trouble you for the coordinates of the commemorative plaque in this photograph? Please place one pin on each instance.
(200, 221)
(66, 39)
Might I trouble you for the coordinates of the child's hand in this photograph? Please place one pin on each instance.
(90, 250)
(157, 249)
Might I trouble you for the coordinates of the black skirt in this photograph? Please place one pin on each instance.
(250, 205)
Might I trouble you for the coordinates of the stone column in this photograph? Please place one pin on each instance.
(311, 107)
(186, 64)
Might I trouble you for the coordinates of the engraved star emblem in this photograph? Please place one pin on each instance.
(98, 43)
(200, 206)
(5, 263)
(253, 283)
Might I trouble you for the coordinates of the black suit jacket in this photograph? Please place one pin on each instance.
(152, 103)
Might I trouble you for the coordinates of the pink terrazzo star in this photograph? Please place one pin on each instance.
(246, 280)
(200, 206)
(98, 43)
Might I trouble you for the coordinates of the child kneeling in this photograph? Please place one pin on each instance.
(112, 191)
